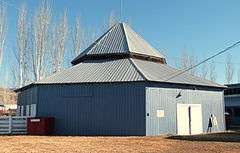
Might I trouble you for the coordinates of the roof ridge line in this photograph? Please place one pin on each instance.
(138, 69)
(95, 43)
(125, 35)
(139, 36)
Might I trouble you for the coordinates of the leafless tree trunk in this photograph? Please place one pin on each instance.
(60, 33)
(184, 60)
(229, 69)
(187, 61)
(112, 20)
(3, 30)
(77, 37)
(22, 42)
(204, 71)
(192, 62)
(40, 27)
(212, 72)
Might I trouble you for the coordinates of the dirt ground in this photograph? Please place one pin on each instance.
(45, 144)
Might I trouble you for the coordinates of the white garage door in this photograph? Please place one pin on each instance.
(189, 119)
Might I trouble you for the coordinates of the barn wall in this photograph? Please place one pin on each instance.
(94, 109)
(165, 99)
(232, 105)
(232, 101)
(27, 97)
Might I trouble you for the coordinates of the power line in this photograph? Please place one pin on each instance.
(196, 65)
(217, 62)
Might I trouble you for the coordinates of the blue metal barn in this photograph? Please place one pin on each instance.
(120, 85)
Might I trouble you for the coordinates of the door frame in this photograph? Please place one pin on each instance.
(189, 115)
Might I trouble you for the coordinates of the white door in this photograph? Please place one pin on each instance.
(189, 119)
(196, 121)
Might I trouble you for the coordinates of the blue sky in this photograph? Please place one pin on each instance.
(202, 27)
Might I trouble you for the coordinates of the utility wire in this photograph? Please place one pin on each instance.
(196, 65)
(216, 62)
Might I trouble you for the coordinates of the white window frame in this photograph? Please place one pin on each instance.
(33, 110)
(27, 110)
(21, 110)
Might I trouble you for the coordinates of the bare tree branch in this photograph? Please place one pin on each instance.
(77, 37)
(22, 44)
(3, 30)
(229, 69)
(212, 72)
(59, 39)
(204, 71)
(40, 27)
(112, 20)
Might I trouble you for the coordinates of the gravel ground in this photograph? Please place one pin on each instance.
(45, 144)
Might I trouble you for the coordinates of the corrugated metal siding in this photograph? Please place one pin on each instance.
(232, 100)
(97, 71)
(161, 72)
(165, 99)
(29, 96)
(96, 109)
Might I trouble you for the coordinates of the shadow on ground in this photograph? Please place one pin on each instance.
(217, 137)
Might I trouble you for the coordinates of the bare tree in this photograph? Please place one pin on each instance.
(212, 72)
(184, 60)
(229, 69)
(3, 30)
(59, 39)
(204, 71)
(77, 37)
(187, 61)
(193, 61)
(40, 39)
(22, 42)
(112, 20)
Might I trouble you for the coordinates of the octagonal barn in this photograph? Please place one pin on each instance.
(120, 85)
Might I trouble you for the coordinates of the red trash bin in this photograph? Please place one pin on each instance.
(40, 126)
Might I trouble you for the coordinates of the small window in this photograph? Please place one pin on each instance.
(28, 110)
(33, 110)
(18, 112)
(21, 110)
(160, 113)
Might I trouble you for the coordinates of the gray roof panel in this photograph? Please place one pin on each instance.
(154, 71)
(96, 71)
(138, 45)
(120, 39)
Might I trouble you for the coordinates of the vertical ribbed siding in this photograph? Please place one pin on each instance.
(165, 99)
(27, 97)
(95, 109)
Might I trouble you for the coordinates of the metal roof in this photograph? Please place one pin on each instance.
(120, 39)
(124, 70)
(97, 71)
(154, 71)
